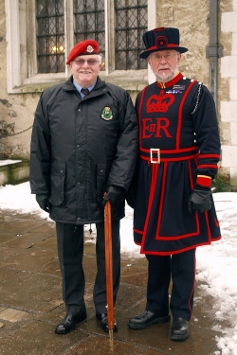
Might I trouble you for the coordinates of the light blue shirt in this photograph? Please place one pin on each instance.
(78, 87)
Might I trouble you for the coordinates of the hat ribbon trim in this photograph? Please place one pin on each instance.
(168, 45)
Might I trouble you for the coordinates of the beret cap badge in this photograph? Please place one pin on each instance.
(90, 49)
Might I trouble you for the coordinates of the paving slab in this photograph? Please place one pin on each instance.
(13, 315)
(31, 301)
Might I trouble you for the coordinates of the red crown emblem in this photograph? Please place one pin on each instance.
(159, 103)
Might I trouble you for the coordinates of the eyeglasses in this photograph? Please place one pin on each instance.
(166, 56)
(89, 61)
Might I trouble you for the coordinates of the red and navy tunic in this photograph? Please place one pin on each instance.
(178, 141)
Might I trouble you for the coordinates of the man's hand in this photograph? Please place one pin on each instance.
(199, 200)
(43, 201)
(114, 194)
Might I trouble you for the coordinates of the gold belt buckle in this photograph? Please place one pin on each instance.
(155, 151)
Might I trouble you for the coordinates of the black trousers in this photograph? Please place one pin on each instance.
(70, 241)
(181, 269)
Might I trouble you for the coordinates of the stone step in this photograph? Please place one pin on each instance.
(14, 171)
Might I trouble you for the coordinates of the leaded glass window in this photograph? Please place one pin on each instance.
(128, 22)
(89, 21)
(131, 23)
(50, 36)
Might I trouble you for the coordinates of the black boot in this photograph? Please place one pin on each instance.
(179, 329)
(102, 317)
(70, 322)
(146, 319)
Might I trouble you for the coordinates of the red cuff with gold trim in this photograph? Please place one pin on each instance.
(204, 181)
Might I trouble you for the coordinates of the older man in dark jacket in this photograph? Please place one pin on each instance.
(84, 146)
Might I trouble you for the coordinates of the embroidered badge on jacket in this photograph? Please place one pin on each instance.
(107, 113)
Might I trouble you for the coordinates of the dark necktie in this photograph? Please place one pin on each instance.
(85, 91)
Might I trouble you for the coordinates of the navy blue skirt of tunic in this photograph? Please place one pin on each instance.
(162, 222)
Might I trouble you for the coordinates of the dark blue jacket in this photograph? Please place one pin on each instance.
(81, 146)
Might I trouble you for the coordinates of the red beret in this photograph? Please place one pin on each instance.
(83, 48)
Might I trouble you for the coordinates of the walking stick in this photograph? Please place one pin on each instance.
(109, 269)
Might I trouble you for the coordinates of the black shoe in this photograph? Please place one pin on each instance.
(179, 329)
(69, 323)
(146, 319)
(102, 317)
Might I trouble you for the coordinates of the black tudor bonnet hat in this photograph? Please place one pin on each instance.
(161, 38)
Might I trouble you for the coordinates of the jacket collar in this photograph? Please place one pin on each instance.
(68, 85)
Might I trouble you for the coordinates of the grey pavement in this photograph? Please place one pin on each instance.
(31, 304)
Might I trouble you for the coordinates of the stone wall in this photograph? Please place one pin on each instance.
(228, 91)
(192, 18)
(16, 111)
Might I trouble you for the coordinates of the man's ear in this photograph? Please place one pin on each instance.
(179, 57)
